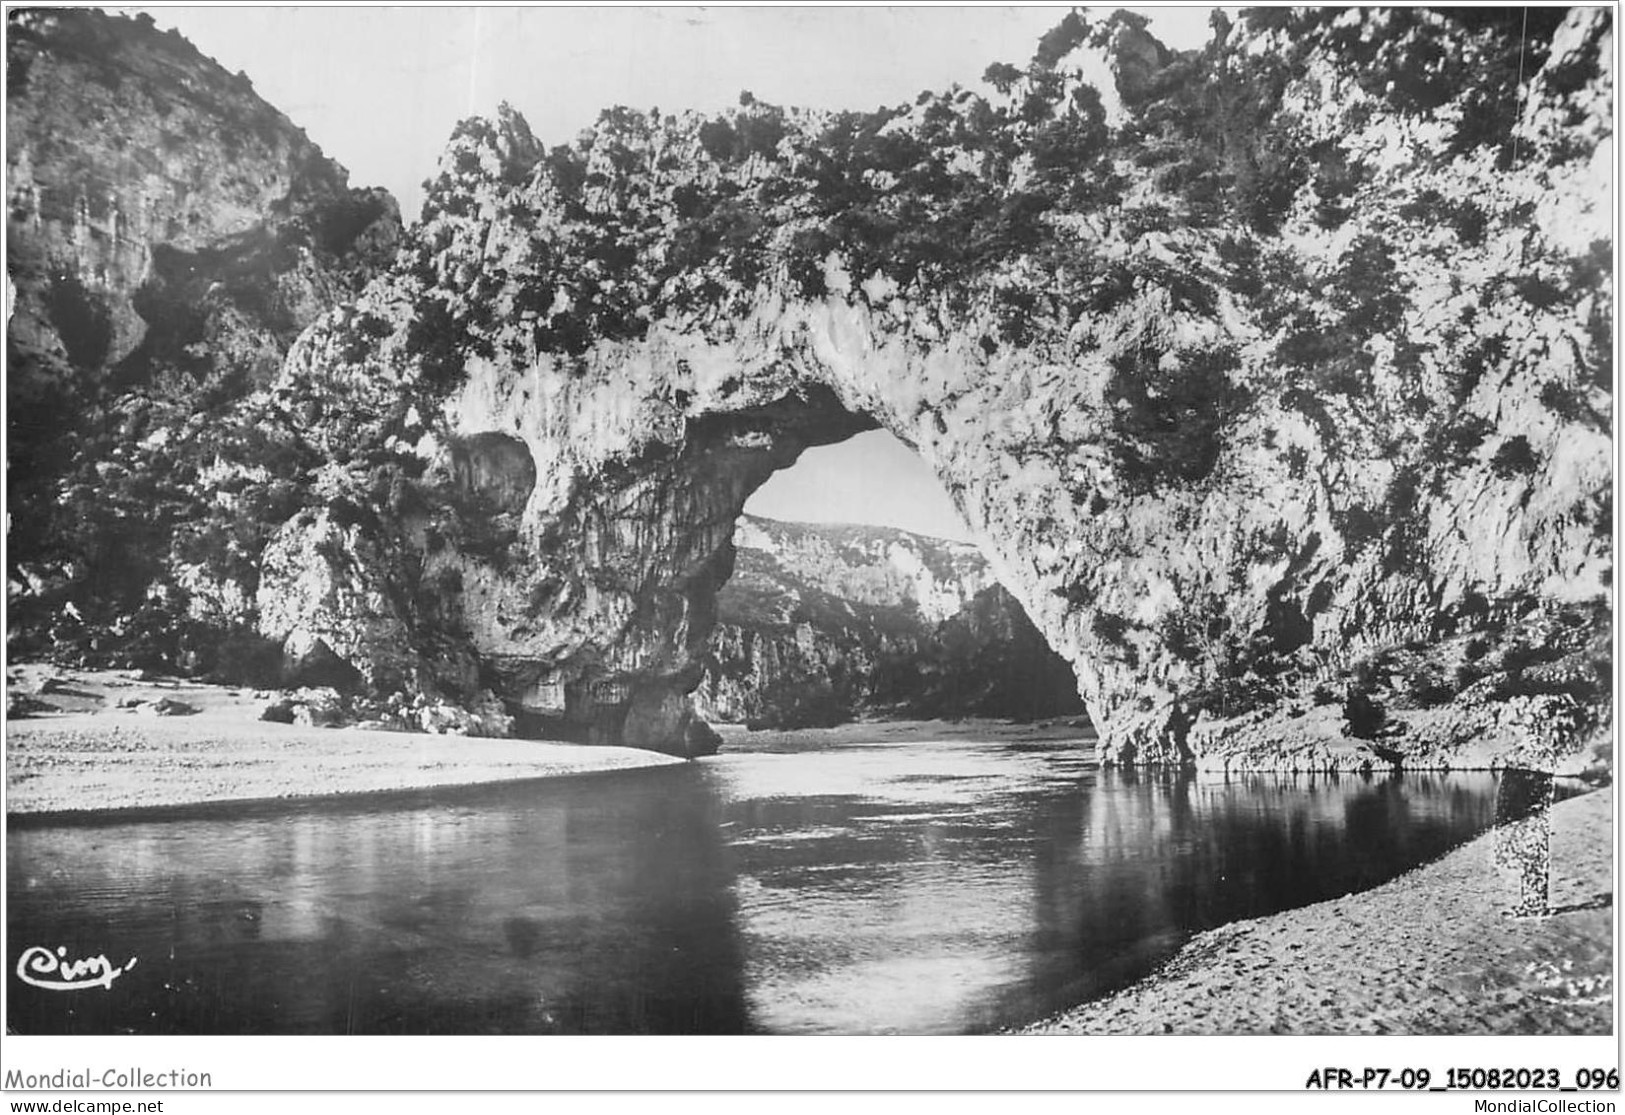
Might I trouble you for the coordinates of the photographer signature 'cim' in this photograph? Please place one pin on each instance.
(40, 967)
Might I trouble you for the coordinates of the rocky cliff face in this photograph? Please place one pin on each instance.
(822, 623)
(1300, 366)
(1275, 384)
(169, 235)
(878, 566)
(143, 178)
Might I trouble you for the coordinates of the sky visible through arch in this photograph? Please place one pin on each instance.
(380, 89)
(870, 478)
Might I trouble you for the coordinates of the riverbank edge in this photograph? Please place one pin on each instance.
(90, 763)
(1429, 952)
(101, 761)
(81, 766)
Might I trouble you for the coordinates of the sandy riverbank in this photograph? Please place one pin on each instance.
(93, 755)
(90, 754)
(1429, 952)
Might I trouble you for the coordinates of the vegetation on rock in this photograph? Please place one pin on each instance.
(1269, 361)
(148, 470)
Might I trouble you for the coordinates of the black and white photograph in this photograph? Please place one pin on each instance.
(1051, 524)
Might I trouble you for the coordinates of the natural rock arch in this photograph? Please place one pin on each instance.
(635, 550)
(1276, 381)
(1217, 428)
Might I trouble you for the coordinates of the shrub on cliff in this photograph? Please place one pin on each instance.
(802, 703)
(1338, 273)
(1364, 717)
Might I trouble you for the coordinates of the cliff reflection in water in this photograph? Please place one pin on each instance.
(1159, 857)
(913, 886)
(929, 888)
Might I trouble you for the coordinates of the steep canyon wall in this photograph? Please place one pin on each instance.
(822, 623)
(169, 234)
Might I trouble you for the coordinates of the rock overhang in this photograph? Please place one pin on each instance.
(1148, 376)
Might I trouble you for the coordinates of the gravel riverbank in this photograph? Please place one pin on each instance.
(91, 755)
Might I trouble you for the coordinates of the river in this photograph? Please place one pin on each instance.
(890, 880)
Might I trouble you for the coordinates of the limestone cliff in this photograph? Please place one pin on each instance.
(1296, 361)
(170, 233)
(1275, 383)
(822, 623)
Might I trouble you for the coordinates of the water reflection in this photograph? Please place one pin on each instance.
(1158, 858)
(599, 905)
(985, 887)
(914, 887)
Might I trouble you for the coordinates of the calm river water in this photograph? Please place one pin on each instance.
(893, 884)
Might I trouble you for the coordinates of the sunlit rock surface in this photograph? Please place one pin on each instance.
(1304, 364)
(1277, 379)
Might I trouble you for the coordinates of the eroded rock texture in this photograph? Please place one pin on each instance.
(1282, 358)
(1276, 378)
